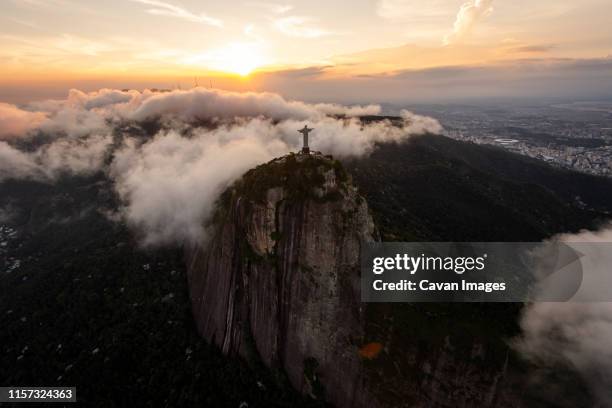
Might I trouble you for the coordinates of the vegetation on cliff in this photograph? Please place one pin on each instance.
(299, 175)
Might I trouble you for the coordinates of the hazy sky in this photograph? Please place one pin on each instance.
(47, 45)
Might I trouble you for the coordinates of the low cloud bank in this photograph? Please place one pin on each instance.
(203, 104)
(16, 122)
(578, 333)
(169, 181)
(61, 157)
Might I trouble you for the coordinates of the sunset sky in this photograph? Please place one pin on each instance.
(49, 46)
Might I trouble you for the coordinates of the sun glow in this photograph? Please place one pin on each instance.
(236, 58)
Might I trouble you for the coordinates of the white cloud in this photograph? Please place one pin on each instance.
(169, 182)
(418, 124)
(15, 164)
(161, 8)
(169, 185)
(470, 13)
(63, 156)
(73, 156)
(80, 114)
(577, 333)
(15, 122)
(205, 104)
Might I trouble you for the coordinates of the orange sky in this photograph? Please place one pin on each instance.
(53, 44)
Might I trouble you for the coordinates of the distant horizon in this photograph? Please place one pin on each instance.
(23, 94)
(385, 51)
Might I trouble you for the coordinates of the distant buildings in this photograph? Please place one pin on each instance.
(564, 139)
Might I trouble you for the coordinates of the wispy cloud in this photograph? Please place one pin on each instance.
(37, 5)
(533, 49)
(161, 8)
(274, 8)
(470, 13)
(57, 46)
(412, 9)
(26, 23)
(281, 8)
(41, 3)
(296, 26)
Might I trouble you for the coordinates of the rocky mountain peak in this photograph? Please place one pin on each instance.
(279, 280)
(278, 284)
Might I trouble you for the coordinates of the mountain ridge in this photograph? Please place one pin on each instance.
(278, 282)
(68, 286)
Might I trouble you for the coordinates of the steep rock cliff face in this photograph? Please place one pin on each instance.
(279, 281)
(280, 277)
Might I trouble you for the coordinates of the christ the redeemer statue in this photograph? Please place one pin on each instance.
(305, 131)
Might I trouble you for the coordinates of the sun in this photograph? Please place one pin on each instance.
(237, 58)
